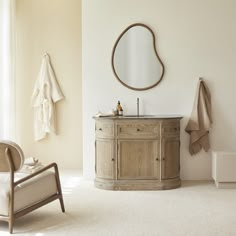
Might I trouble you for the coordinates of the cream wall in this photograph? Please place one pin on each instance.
(52, 26)
(194, 38)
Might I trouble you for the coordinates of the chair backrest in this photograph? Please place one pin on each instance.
(17, 156)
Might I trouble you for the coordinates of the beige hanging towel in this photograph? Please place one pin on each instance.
(46, 93)
(200, 121)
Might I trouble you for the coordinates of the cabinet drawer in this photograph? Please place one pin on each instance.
(138, 130)
(170, 128)
(104, 129)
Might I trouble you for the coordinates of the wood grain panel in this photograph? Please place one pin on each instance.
(105, 159)
(141, 129)
(104, 129)
(170, 158)
(137, 159)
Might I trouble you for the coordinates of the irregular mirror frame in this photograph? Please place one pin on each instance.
(135, 61)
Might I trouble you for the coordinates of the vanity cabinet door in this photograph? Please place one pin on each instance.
(138, 159)
(170, 160)
(105, 159)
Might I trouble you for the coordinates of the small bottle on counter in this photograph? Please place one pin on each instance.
(119, 109)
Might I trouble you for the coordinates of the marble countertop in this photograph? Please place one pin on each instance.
(170, 116)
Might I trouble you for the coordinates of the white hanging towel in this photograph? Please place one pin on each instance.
(46, 93)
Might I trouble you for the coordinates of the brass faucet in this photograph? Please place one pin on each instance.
(137, 106)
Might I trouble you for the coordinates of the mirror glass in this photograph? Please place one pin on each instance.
(135, 61)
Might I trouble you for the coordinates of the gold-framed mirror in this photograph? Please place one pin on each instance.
(135, 61)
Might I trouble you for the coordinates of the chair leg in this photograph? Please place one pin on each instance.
(59, 188)
(62, 203)
(11, 226)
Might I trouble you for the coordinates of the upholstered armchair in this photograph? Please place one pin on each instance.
(21, 193)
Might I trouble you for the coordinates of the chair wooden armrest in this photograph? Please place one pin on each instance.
(30, 176)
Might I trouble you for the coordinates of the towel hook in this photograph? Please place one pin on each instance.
(46, 54)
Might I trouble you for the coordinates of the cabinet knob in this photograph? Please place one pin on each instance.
(113, 159)
(100, 129)
(163, 159)
(157, 159)
(138, 129)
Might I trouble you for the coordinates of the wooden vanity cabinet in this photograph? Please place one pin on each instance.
(137, 153)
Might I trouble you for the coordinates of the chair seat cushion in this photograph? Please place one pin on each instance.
(28, 193)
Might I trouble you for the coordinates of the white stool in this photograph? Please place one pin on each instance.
(224, 169)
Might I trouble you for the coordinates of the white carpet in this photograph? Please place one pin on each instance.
(195, 209)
